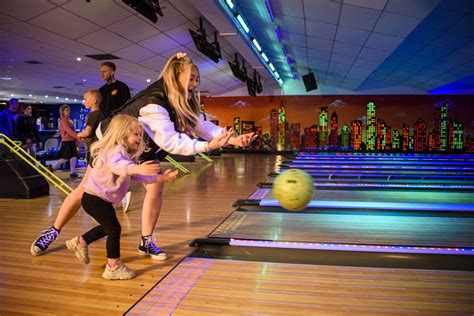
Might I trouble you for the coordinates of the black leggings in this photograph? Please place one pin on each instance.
(104, 213)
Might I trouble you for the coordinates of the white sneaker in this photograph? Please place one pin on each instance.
(126, 201)
(119, 272)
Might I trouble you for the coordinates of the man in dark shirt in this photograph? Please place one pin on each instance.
(114, 92)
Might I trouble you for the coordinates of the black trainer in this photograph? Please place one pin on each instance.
(148, 247)
(43, 241)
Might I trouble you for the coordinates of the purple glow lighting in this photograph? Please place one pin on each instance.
(354, 247)
(277, 31)
(269, 8)
(412, 206)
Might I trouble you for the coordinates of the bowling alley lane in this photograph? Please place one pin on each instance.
(402, 230)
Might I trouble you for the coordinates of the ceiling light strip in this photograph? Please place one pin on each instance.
(245, 30)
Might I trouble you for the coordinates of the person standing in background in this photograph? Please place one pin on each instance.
(28, 130)
(7, 119)
(114, 94)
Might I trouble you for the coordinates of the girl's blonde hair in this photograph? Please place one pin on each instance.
(62, 108)
(120, 127)
(187, 111)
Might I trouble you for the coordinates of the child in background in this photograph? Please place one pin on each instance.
(69, 142)
(114, 164)
(92, 99)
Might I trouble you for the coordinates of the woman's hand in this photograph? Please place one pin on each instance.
(221, 140)
(148, 168)
(168, 175)
(243, 140)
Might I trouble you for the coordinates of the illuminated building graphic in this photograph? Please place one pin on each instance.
(396, 139)
(381, 138)
(281, 127)
(446, 134)
(458, 131)
(371, 126)
(237, 127)
(295, 136)
(443, 129)
(333, 135)
(356, 135)
(248, 127)
(345, 136)
(273, 128)
(431, 141)
(266, 140)
(470, 144)
(388, 138)
(405, 137)
(436, 129)
(420, 136)
(258, 143)
(311, 136)
(323, 126)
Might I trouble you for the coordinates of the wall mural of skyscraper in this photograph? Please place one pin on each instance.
(388, 123)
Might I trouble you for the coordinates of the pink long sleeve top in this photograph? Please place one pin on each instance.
(110, 177)
(66, 130)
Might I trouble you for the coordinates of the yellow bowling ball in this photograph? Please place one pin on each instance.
(294, 189)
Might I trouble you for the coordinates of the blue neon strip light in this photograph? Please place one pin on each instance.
(269, 8)
(319, 166)
(230, 3)
(264, 57)
(378, 162)
(394, 186)
(448, 207)
(242, 23)
(354, 247)
(257, 45)
(278, 34)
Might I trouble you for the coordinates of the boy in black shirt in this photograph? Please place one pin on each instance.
(114, 92)
(92, 100)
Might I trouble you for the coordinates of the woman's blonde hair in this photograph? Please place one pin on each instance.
(187, 111)
(62, 108)
(120, 127)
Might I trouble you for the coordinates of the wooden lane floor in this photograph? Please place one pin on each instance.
(452, 201)
(57, 284)
(422, 229)
(203, 286)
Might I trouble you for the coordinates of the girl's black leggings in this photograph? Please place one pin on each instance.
(104, 213)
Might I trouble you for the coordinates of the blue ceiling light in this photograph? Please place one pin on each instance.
(238, 19)
(230, 3)
(269, 8)
(242, 23)
(257, 45)
(277, 31)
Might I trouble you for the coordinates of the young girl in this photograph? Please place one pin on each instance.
(114, 163)
(164, 108)
(69, 142)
